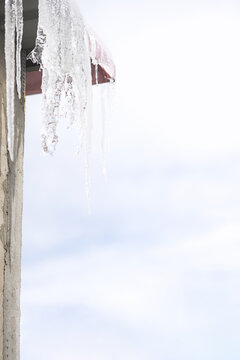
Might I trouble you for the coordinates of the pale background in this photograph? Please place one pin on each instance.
(153, 272)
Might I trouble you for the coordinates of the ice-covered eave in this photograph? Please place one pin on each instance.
(102, 67)
(105, 68)
(34, 77)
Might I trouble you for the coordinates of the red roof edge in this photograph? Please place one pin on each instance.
(34, 80)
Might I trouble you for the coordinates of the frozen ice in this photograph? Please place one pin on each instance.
(13, 23)
(100, 55)
(10, 69)
(19, 35)
(64, 47)
(62, 51)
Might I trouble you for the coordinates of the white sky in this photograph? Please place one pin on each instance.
(153, 272)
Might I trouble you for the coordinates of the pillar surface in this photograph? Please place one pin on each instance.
(11, 194)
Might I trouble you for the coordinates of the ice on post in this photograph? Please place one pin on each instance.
(13, 25)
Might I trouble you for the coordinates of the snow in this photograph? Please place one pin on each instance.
(13, 22)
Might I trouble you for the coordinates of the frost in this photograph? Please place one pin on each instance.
(13, 22)
(62, 51)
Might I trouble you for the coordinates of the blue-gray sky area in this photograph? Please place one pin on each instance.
(153, 272)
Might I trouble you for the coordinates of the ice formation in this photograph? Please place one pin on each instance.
(100, 56)
(13, 24)
(19, 35)
(63, 49)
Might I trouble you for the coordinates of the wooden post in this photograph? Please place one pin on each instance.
(11, 193)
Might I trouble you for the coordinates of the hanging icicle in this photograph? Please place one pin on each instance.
(62, 51)
(10, 70)
(19, 36)
(13, 23)
(100, 56)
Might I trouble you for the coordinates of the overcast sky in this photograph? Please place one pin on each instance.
(153, 272)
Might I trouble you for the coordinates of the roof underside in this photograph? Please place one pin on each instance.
(34, 76)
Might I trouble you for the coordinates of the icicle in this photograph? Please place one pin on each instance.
(88, 137)
(10, 70)
(62, 51)
(13, 21)
(19, 33)
(100, 56)
(103, 143)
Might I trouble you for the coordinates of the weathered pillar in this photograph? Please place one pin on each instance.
(11, 192)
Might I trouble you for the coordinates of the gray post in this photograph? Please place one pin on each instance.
(11, 193)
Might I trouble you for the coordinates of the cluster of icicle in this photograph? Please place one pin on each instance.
(13, 46)
(63, 50)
